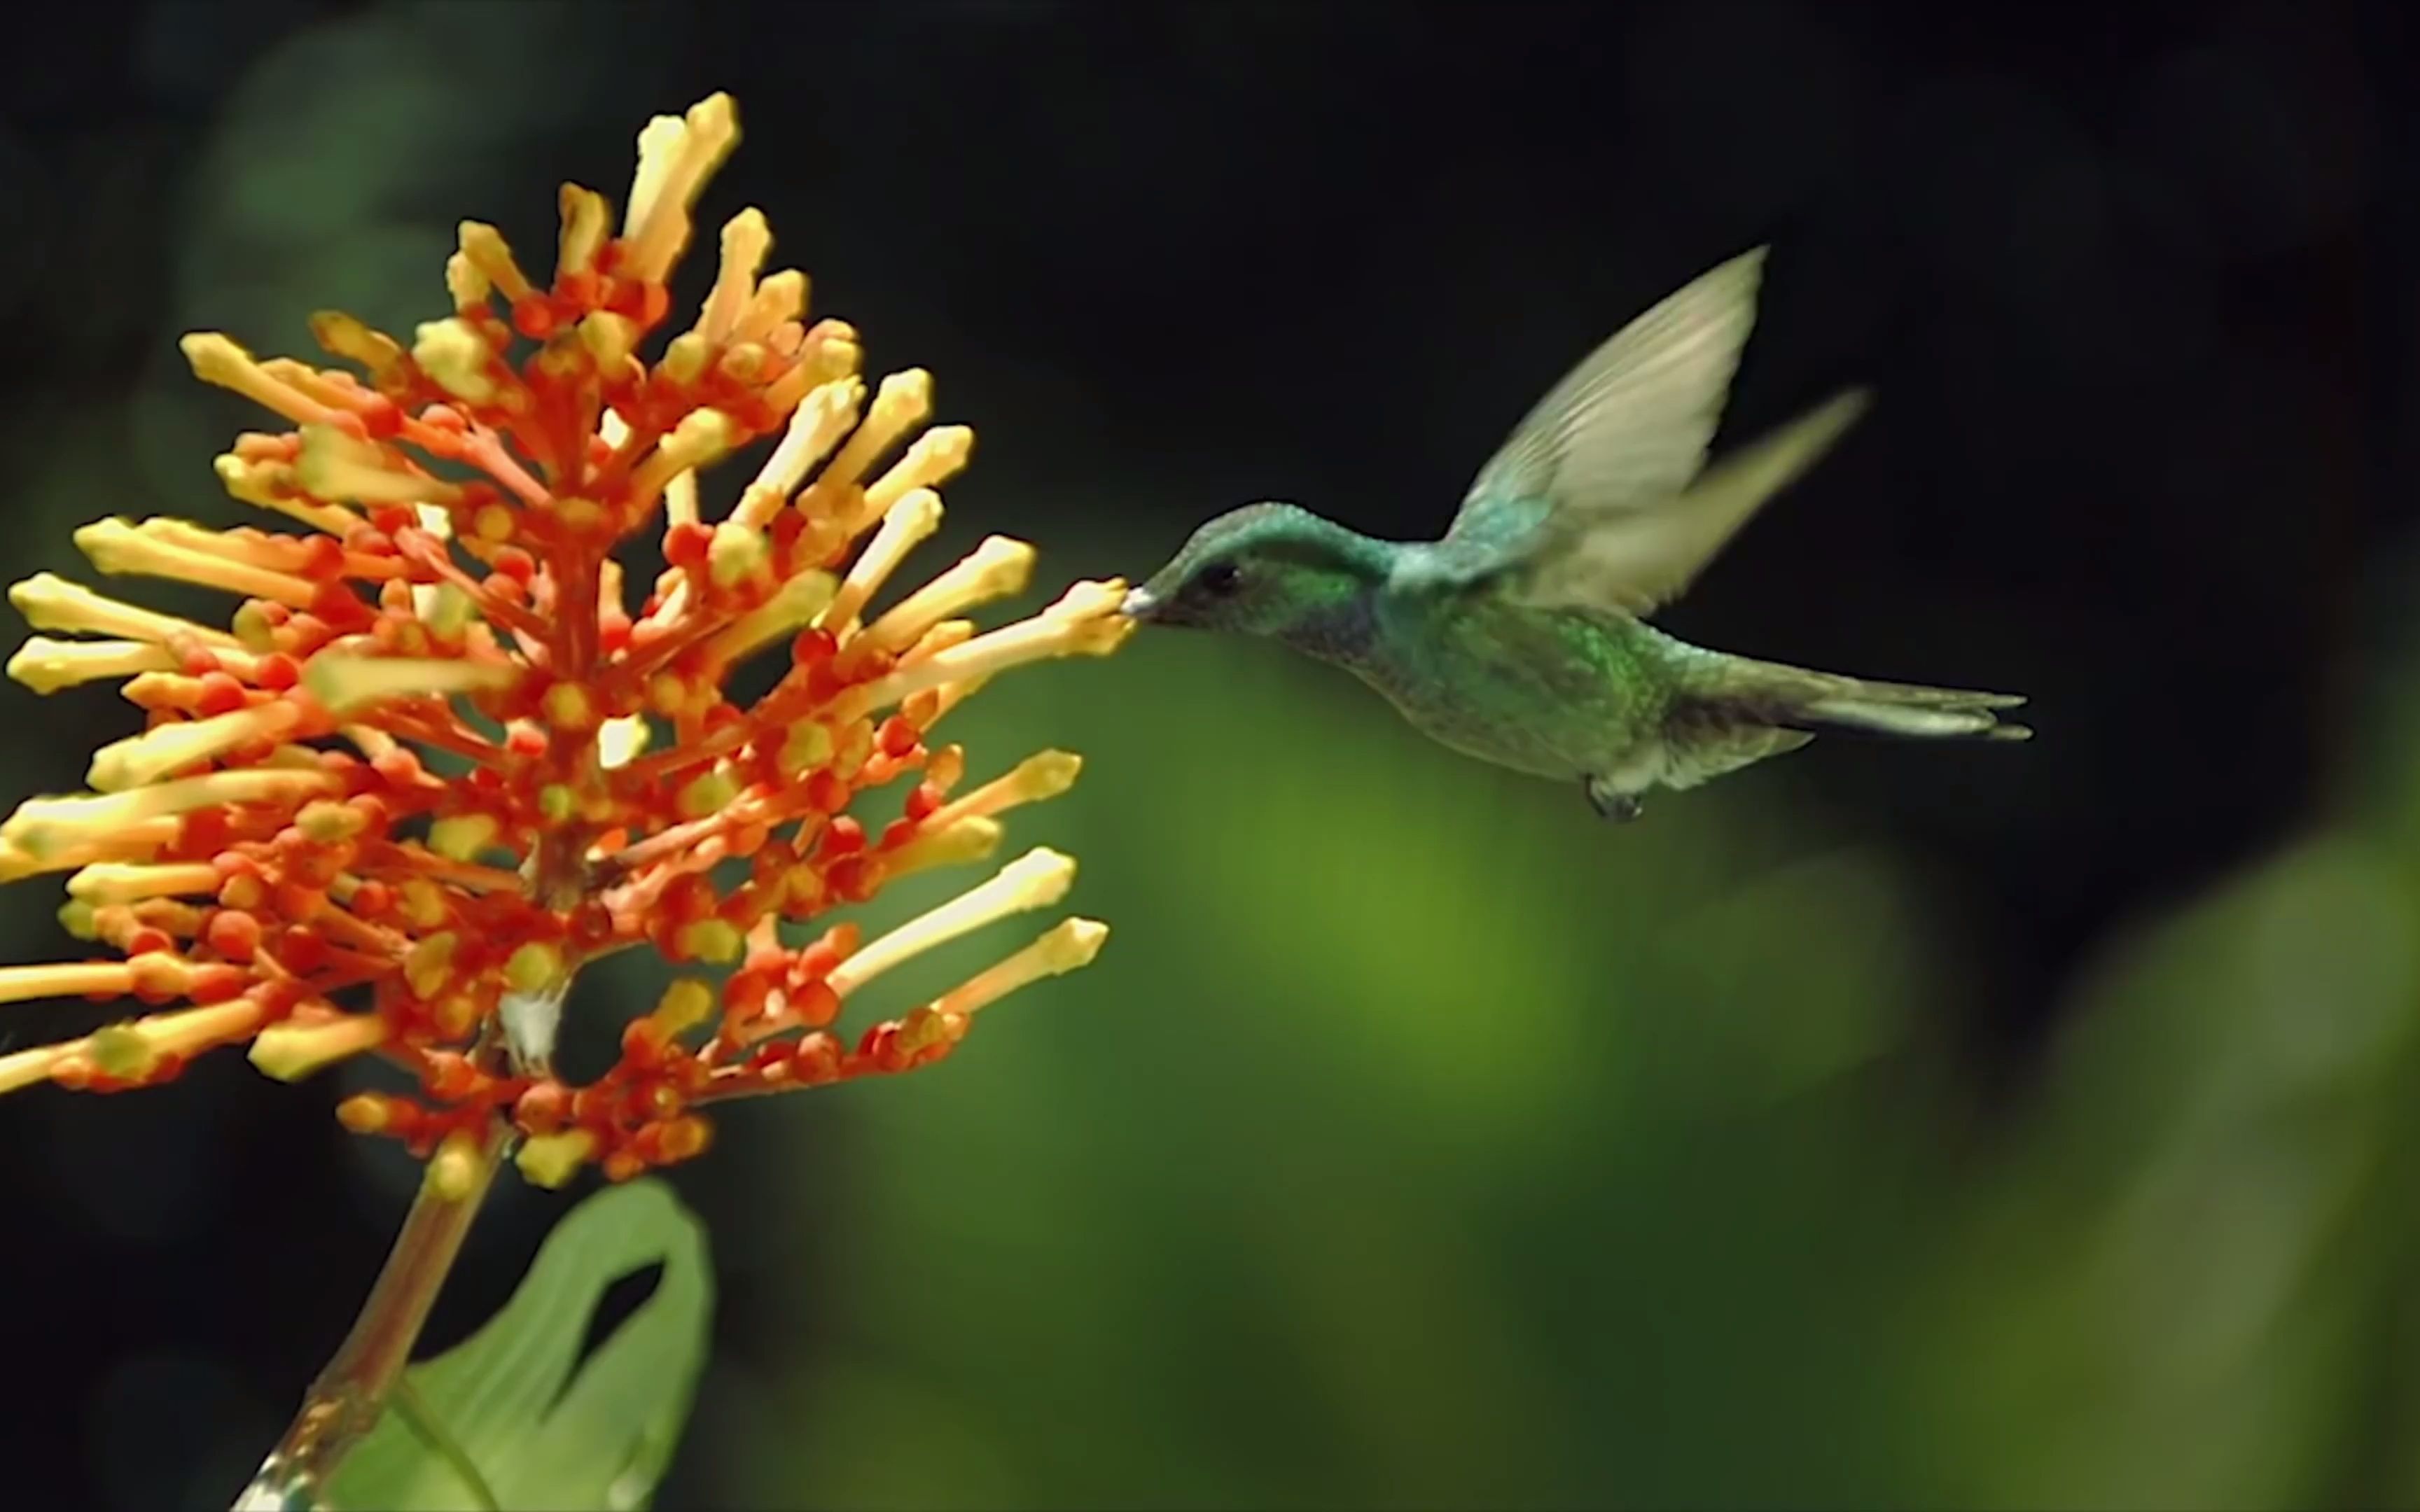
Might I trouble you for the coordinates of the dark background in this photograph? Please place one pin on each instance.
(2134, 284)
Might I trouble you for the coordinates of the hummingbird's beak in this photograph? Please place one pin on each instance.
(1139, 604)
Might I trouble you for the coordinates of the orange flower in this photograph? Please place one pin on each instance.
(273, 837)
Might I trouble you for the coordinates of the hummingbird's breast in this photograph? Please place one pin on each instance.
(1548, 692)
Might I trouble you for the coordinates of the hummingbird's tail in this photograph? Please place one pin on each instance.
(1775, 697)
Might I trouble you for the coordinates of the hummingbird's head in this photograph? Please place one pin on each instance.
(1260, 570)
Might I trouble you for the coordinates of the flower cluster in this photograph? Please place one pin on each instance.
(439, 760)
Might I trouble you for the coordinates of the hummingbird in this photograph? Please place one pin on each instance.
(1520, 638)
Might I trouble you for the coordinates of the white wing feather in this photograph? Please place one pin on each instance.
(1615, 452)
(1636, 558)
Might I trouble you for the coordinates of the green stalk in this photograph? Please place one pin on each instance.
(349, 1396)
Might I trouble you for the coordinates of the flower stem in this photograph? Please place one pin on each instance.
(347, 1399)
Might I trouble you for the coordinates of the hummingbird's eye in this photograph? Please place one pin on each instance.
(1220, 578)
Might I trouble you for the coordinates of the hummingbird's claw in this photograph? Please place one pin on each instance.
(1618, 808)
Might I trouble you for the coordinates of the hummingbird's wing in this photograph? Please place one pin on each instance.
(1597, 500)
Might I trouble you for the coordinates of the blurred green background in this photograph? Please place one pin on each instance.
(1945, 1127)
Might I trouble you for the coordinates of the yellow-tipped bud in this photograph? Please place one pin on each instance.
(48, 829)
(827, 352)
(131, 843)
(336, 465)
(735, 553)
(610, 338)
(805, 746)
(568, 706)
(937, 456)
(444, 609)
(120, 1050)
(46, 666)
(170, 747)
(676, 156)
(466, 283)
(1088, 601)
(548, 1161)
(957, 843)
(456, 1170)
(1040, 776)
(454, 354)
(660, 145)
(708, 793)
(485, 247)
(424, 903)
(118, 547)
(816, 425)
(277, 553)
(289, 1052)
(350, 338)
(344, 683)
(778, 299)
(134, 1050)
(217, 360)
(329, 824)
(1072, 944)
(997, 569)
(49, 602)
(746, 239)
(119, 882)
(1035, 880)
(684, 1006)
(269, 486)
(794, 606)
(586, 223)
(78, 978)
(462, 836)
(713, 940)
(703, 436)
(532, 968)
(429, 965)
(684, 358)
(903, 529)
(901, 402)
(374, 744)
(1044, 636)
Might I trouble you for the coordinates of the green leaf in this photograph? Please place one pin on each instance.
(507, 1401)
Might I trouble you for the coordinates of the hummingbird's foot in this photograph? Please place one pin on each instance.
(1619, 807)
